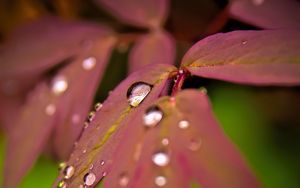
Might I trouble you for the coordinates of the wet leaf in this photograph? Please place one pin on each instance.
(157, 47)
(50, 112)
(248, 57)
(96, 149)
(270, 14)
(142, 13)
(51, 40)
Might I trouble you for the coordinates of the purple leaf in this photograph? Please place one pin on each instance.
(35, 48)
(248, 57)
(157, 47)
(96, 149)
(142, 13)
(54, 107)
(187, 145)
(270, 14)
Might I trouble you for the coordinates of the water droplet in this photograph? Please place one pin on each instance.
(59, 85)
(161, 159)
(180, 71)
(86, 125)
(69, 172)
(91, 116)
(165, 141)
(124, 180)
(62, 184)
(104, 174)
(152, 116)
(75, 118)
(89, 179)
(137, 92)
(91, 166)
(244, 42)
(89, 63)
(98, 106)
(62, 165)
(257, 2)
(84, 151)
(183, 124)
(160, 181)
(50, 109)
(102, 162)
(194, 144)
(203, 90)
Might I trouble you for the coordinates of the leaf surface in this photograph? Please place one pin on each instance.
(269, 14)
(153, 48)
(47, 110)
(248, 57)
(95, 151)
(142, 13)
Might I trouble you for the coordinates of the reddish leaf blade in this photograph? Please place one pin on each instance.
(157, 47)
(199, 152)
(99, 141)
(270, 14)
(142, 13)
(51, 40)
(55, 109)
(248, 57)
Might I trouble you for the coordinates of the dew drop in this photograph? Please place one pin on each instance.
(194, 144)
(50, 109)
(62, 165)
(203, 90)
(89, 63)
(84, 151)
(86, 125)
(137, 92)
(102, 162)
(244, 42)
(183, 124)
(62, 184)
(161, 159)
(91, 116)
(165, 141)
(104, 174)
(89, 179)
(152, 116)
(69, 172)
(59, 85)
(160, 181)
(91, 166)
(124, 180)
(98, 106)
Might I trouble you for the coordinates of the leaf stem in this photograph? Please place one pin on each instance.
(179, 80)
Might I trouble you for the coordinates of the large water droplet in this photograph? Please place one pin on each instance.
(62, 184)
(160, 181)
(69, 172)
(124, 180)
(161, 159)
(137, 92)
(59, 85)
(183, 124)
(89, 179)
(50, 109)
(89, 63)
(152, 116)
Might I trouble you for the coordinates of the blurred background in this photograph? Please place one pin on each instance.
(264, 122)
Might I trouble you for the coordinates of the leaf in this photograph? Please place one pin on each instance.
(50, 109)
(157, 47)
(270, 14)
(142, 13)
(248, 57)
(98, 142)
(51, 40)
